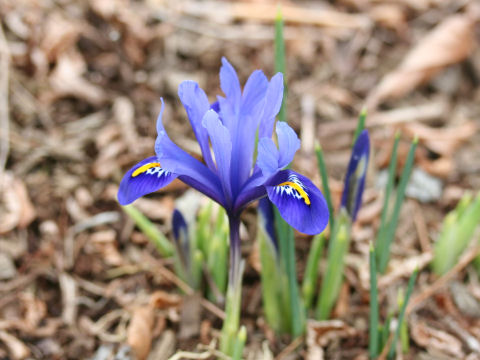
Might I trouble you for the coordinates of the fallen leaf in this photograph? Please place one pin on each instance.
(443, 141)
(448, 43)
(436, 341)
(139, 334)
(17, 349)
(67, 80)
(162, 300)
(17, 209)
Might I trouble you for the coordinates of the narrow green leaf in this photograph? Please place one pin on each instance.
(373, 319)
(164, 247)
(411, 283)
(381, 236)
(392, 224)
(311, 271)
(360, 124)
(286, 244)
(280, 63)
(324, 175)
(337, 249)
(239, 343)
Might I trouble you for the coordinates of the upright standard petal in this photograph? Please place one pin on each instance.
(356, 173)
(243, 138)
(222, 149)
(190, 170)
(196, 104)
(299, 201)
(230, 106)
(273, 103)
(288, 143)
(145, 177)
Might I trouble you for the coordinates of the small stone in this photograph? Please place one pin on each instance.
(7, 267)
(424, 187)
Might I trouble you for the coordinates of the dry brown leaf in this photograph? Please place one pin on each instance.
(67, 80)
(17, 209)
(443, 141)
(323, 332)
(448, 43)
(436, 341)
(59, 35)
(17, 349)
(139, 334)
(162, 300)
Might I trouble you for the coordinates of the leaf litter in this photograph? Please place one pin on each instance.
(81, 97)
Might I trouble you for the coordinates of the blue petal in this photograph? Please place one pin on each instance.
(253, 97)
(265, 208)
(243, 135)
(190, 170)
(180, 234)
(267, 158)
(145, 177)
(273, 103)
(288, 143)
(231, 87)
(222, 148)
(356, 173)
(299, 201)
(196, 104)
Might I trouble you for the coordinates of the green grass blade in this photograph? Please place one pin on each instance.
(284, 231)
(324, 175)
(164, 247)
(392, 224)
(337, 249)
(373, 319)
(311, 271)
(411, 283)
(280, 63)
(380, 243)
(360, 125)
(239, 343)
(286, 244)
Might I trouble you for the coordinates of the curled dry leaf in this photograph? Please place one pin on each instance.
(448, 43)
(59, 35)
(324, 332)
(443, 141)
(162, 300)
(17, 349)
(67, 80)
(16, 209)
(436, 341)
(139, 334)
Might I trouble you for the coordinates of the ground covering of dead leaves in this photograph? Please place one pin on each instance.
(80, 83)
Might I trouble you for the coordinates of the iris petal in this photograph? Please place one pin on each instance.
(243, 138)
(267, 159)
(273, 103)
(299, 201)
(190, 170)
(196, 104)
(356, 173)
(288, 143)
(222, 148)
(230, 106)
(145, 177)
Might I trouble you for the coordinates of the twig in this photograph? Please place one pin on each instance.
(442, 281)
(290, 348)
(182, 285)
(4, 120)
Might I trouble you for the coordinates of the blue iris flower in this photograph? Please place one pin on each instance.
(356, 174)
(226, 132)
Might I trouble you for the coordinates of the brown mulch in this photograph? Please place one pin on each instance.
(80, 83)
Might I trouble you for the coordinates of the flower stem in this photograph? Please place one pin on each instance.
(234, 292)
